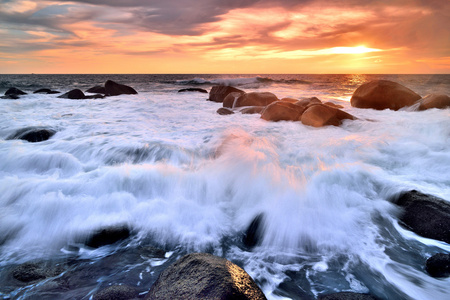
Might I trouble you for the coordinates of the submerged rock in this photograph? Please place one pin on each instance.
(225, 111)
(11, 97)
(115, 89)
(204, 276)
(75, 94)
(320, 115)
(254, 232)
(193, 90)
(426, 215)
(219, 92)
(45, 91)
(434, 101)
(252, 110)
(346, 296)
(439, 265)
(14, 91)
(33, 271)
(382, 94)
(255, 99)
(108, 236)
(32, 134)
(117, 292)
(282, 111)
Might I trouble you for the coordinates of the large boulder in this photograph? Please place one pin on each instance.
(305, 102)
(114, 89)
(426, 215)
(255, 99)
(282, 111)
(32, 134)
(98, 89)
(204, 276)
(45, 91)
(14, 91)
(438, 265)
(230, 100)
(254, 233)
(382, 94)
(75, 94)
(319, 115)
(219, 92)
(434, 101)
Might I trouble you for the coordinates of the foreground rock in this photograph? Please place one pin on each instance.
(225, 111)
(426, 215)
(117, 292)
(255, 99)
(434, 101)
(282, 111)
(439, 265)
(347, 296)
(32, 134)
(382, 94)
(108, 236)
(204, 276)
(320, 115)
(115, 89)
(33, 271)
(193, 90)
(219, 92)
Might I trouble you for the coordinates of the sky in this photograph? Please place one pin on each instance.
(225, 36)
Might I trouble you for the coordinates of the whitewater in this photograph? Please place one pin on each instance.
(186, 179)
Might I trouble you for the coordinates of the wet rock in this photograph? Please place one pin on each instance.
(114, 89)
(252, 110)
(96, 96)
(219, 92)
(10, 97)
(305, 102)
(282, 111)
(117, 292)
(204, 276)
(33, 271)
(45, 91)
(289, 100)
(331, 104)
(75, 94)
(320, 115)
(193, 90)
(225, 111)
(230, 99)
(346, 296)
(426, 215)
(254, 232)
(434, 101)
(14, 91)
(382, 94)
(98, 89)
(108, 236)
(255, 99)
(32, 134)
(439, 265)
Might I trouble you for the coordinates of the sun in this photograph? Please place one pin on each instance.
(353, 50)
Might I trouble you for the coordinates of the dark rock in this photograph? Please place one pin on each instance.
(193, 90)
(434, 101)
(108, 236)
(439, 265)
(45, 91)
(282, 111)
(98, 89)
(230, 99)
(252, 110)
(96, 96)
(346, 296)
(318, 115)
(114, 89)
(11, 97)
(219, 92)
(32, 134)
(14, 91)
(117, 292)
(382, 94)
(33, 271)
(204, 276)
(426, 215)
(225, 111)
(254, 232)
(73, 94)
(255, 99)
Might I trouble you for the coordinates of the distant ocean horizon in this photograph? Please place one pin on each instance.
(185, 179)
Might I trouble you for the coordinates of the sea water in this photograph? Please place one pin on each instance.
(186, 179)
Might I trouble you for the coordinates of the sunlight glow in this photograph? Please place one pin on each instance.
(353, 50)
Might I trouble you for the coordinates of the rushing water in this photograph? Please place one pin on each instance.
(187, 179)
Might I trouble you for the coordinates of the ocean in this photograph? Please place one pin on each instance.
(185, 179)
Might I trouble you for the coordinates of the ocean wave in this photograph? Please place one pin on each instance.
(241, 81)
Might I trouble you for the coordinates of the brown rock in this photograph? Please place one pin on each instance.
(308, 101)
(282, 111)
(224, 111)
(230, 99)
(252, 110)
(219, 92)
(331, 104)
(382, 94)
(434, 101)
(255, 99)
(290, 100)
(322, 115)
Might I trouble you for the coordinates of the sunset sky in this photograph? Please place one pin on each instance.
(225, 36)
